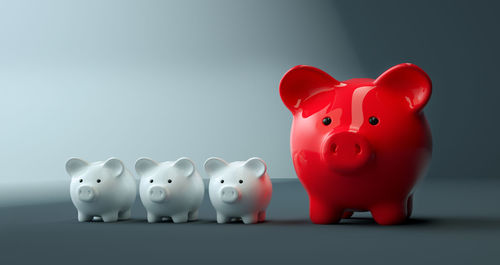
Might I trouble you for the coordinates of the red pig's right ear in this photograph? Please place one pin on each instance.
(301, 83)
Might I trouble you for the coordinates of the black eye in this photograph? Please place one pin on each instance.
(169, 181)
(150, 181)
(81, 180)
(98, 181)
(241, 181)
(221, 181)
(373, 120)
(327, 121)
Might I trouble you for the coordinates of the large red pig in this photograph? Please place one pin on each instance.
(359, 144)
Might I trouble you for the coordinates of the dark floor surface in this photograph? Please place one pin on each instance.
(455, 222)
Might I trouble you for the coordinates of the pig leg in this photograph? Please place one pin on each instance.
(110, 217)
(221, 219)
(152, 218)
(321, 213)
(193, 215)
(262, 216)
(347, 214)
(180, 218)
(250, 218)
(390, 213)
(84, 217)
(409, 206)
(124, 215)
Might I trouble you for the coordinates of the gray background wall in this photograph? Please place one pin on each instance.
(166, 79)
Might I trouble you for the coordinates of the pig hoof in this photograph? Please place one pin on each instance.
(124, 215)
(110, 217)
(324, 214)
(409, 206)
(250, 219)
(347, 214)
(389, 214)
(193, 216)
(262, 216)
(84, 218)
(221, 219)
(181, 218)
(153, 218)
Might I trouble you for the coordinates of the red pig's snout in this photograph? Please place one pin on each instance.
(346, 151)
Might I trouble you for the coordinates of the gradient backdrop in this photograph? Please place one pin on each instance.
(165, 79)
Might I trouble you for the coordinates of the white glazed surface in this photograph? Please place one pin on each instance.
(231, 199)
(179, 199)
(111, 198)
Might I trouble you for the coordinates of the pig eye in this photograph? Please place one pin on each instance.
(98, 181)
(221, 181)
(150, 181)
(327, 121)
(373, 120)
(169, 181)
(241, 181)
(81, 180)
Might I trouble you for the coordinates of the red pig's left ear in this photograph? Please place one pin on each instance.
(407, 81)
(301, 83)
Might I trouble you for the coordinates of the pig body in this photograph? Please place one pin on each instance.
(359, 144)
(240, 189)
(172, 189)
(101, 189)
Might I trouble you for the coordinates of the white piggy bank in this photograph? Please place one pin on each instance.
(240, 189)
(170, 189)
(101, 189)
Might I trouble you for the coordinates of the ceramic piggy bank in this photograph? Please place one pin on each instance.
(172, 189)
(101, 189)
(359, 144)
(240, 189)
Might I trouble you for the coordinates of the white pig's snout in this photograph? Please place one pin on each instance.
(87, 193)
(158, 193)
(229, 194)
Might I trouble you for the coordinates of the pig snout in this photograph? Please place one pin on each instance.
(346, 151)
(87, 193)
(157, 194)
(229, 194)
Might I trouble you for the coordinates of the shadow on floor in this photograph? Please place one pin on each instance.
(448, 223)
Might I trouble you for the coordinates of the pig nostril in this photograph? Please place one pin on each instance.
(357, 148)
(333, 148)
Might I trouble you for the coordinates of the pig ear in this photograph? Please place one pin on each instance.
(75, 166)
(214, 164)
(144, 165)
(256, 165)
(407, 81)
(185, 165)
(115, 166)
(301, 83)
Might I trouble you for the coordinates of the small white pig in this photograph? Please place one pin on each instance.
(172, 189)
(101, 189)
(241, 189)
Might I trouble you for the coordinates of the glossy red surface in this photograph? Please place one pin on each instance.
(352, 164)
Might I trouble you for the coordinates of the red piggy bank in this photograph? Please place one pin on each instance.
(359, 144)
